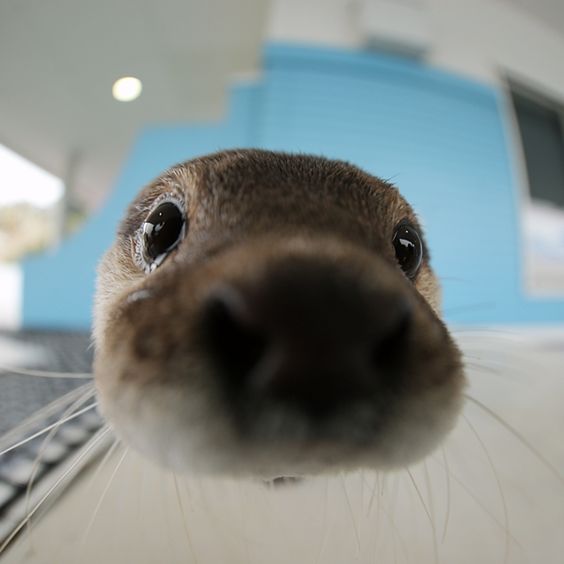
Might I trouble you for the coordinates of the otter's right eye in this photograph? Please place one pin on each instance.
(162, 231)
(409, 249)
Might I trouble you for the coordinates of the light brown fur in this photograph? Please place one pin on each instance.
(247, 211)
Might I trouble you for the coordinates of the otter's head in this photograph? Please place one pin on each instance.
(271, 314)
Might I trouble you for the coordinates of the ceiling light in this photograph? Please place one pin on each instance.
(127, 89)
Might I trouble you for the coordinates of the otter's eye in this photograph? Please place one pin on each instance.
(409, 249)
(161, 232)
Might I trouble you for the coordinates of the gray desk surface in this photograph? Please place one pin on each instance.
(23, 396)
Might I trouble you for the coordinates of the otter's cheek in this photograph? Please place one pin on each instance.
(176, 418)
(256, 312)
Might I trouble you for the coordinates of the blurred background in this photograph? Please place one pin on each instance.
(460, 103)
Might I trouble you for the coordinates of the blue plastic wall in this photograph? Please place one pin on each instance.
(441, 139)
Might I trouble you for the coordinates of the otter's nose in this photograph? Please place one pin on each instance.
(307, 335)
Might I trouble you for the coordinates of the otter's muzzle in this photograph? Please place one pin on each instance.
(307, 332)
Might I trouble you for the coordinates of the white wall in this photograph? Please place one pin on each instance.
(482, 39)
(11, 283)
(491, 41)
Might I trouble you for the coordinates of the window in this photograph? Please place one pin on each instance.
(29, 197)
(542, 136)
(29, 200)
(541, 128)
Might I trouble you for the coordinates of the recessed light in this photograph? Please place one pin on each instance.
(127, 88)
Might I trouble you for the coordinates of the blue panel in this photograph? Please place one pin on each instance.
(59, 287)
(440, 138)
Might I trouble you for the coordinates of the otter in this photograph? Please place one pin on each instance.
(273, 315)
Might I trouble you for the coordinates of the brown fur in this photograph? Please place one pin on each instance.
(246, 211)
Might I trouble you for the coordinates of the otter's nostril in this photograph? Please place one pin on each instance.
(233, 343)
(392, 342)
(306, 340)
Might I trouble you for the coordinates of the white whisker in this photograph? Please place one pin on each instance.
(498, 482)
(447, 478)
(351, 514)
(9, 370)
(429, 517)
(395, 529)
(75, 405)
(484, 333)
(481, 367)
(77, 460)
(429, 491)
(184, 519)
(479, 503)
(102, 498)
(325, 525)
(547, 464)
(102, 463)
(48, 428)
(375, 488)
(361, 493)
(43, 413)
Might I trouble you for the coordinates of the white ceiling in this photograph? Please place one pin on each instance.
(59, 59)
(550, 12)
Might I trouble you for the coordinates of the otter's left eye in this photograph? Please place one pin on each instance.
(162, 231)
(409, 249)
